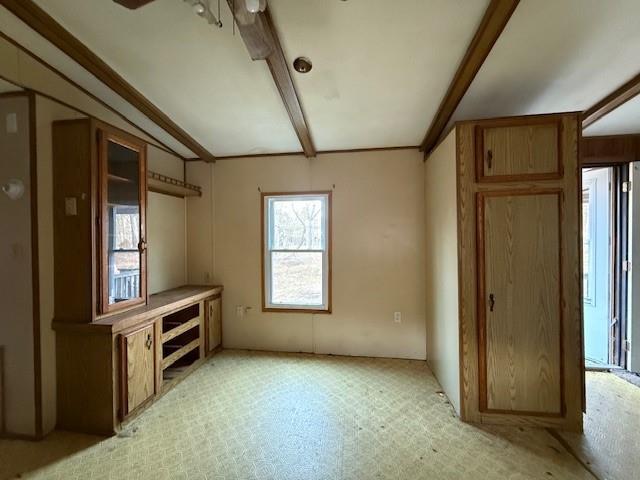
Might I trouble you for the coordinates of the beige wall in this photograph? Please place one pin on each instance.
(442, 268)
(200, 225)
(378, 253)
(16, 294)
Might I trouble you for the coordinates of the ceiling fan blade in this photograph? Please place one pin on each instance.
(133, 4)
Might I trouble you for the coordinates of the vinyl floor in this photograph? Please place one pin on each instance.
(251, 415)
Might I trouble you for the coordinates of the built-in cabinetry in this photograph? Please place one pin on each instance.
(117, 348)
(517, 345)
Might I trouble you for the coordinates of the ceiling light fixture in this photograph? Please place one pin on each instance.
(255, 6)
(302, 65)
(203, 9)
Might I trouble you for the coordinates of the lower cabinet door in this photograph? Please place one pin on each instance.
(520, 308)
(214, 323)
(138, 363)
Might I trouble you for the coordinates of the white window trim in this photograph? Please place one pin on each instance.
(267, 225)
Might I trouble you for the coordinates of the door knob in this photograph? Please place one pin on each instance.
(492, 302)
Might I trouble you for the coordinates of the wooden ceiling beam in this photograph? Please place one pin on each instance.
(262, 42)
(36, 18)
(609, 150)
(612, 101)
(493, 22)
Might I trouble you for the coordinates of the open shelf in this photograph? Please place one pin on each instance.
(156, 182)
(181, 340)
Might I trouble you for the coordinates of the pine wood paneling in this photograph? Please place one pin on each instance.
(518, 152)
(520, 320)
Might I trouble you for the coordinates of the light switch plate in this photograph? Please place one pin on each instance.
(12, 123)
(70, 206)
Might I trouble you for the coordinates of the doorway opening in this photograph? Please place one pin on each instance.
(606, 265)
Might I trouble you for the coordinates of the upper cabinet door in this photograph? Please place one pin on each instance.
(512, 152)
(122, 233)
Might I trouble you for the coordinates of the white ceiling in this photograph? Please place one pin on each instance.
(36, 44)
(6, 87)
(380, 68)
(556, 56)
(200, 76)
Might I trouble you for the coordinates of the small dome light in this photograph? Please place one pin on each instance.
(302, 65)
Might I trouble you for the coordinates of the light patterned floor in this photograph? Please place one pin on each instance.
(611, 441)
(247, 415)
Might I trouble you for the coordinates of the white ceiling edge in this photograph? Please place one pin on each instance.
(624, 120)
(45, 51)
(7, 87)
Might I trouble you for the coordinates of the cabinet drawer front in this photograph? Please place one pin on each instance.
(518, 152)
(138, 368)
(519, 307)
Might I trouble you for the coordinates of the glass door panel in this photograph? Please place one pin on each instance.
(123, 242)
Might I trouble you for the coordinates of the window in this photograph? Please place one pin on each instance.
(297, 251)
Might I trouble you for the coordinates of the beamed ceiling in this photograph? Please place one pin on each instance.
(382, 71)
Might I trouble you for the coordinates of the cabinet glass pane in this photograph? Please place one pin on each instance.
(123, 223)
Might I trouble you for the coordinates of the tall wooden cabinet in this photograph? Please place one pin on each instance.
(517, 356)
(99, 199)
(117, 349)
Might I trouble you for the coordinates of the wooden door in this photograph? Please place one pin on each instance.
(214, 323)
(518, 152)
(138, 368)
(520, 302)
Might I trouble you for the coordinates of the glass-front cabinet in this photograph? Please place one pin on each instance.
(122, 202)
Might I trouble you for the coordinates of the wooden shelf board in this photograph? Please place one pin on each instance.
(178, 354)
(174, 332)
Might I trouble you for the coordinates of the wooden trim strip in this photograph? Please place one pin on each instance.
(37, 19)
(174, 332)
(608, 104)
(178, 354)
(495, 19)
(35, 267)
(609, 150)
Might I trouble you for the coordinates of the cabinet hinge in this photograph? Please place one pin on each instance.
(626, 187)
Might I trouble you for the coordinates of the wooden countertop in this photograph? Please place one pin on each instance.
(159, 304)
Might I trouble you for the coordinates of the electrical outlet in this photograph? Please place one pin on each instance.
(239, 311)
(397, 317)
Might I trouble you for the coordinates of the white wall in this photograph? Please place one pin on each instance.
(378, 252)
(166, 227)
(442, 268)
(16, 294)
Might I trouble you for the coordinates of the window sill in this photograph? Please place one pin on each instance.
(297, 310)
